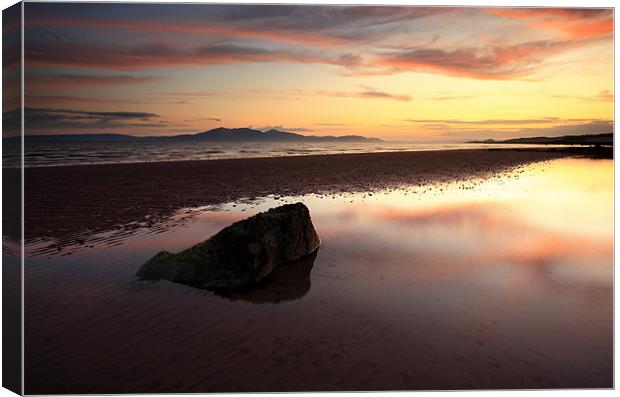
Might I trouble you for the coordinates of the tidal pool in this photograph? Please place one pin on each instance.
(498, 283)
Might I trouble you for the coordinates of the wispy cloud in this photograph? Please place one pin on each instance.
(37, 100)
(371, 93)
(169, 60)
(605, 96)
(286, 129)
(44, 118)
(366, 93)
(85, 80)
(460, 133)
(207, 118)
(489, 62)
(351, 32)
(497, 62)
(334, 124)
(157, 55)
(82, 113)
(283, 34)
(570, 23)
(460, 130)
(451, 97)
(542, 120)
(191, 94)
(323, 26)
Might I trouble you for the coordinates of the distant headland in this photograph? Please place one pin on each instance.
(592, 139)
(220, 134)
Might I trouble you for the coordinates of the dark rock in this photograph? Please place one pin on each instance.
(241, 254)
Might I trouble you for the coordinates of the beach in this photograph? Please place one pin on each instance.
(452, 270)
(232, 198)
(69, 203)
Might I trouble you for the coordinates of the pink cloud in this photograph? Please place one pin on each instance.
(84, 55)
(491, 62)
(571, 23)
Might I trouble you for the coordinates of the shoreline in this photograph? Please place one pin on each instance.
(603, 151)
(66, 203)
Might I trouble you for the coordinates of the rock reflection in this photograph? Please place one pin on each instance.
(285, 283)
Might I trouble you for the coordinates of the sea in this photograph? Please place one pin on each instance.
(50, 154)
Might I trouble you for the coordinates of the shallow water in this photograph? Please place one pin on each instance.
(499, 283)
(49, 154)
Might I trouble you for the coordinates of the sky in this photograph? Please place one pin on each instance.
(436, 74)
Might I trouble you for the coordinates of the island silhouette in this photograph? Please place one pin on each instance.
(220, 134)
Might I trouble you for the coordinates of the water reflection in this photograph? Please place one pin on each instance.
(287, 282)
(499, 283)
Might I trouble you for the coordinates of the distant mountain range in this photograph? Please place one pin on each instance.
(215, 135)
(594, 139)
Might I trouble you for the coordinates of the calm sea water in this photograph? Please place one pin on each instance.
(46, 154)
(502, 283)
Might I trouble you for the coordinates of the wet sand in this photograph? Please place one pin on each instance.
(70, 203)
(466, 285)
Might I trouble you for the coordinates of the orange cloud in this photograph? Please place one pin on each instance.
(492, 62)
(571, 23)
(348, 25)
(605, 95)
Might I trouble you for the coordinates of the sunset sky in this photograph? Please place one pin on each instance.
(398, 73)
